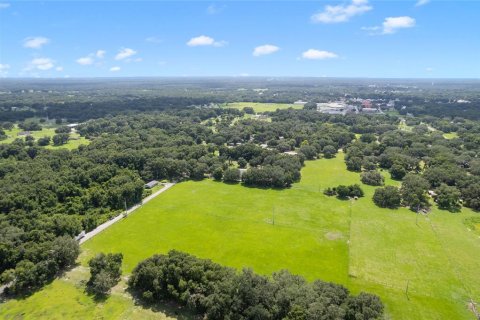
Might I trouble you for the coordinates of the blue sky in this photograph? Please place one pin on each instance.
(352, 38)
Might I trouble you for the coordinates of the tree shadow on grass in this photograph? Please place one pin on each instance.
(169, 308)
(7, 294)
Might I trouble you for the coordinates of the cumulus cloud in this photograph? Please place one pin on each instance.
(85, 61)
(100, 54)
(59, 69)
(125, 53)
(313, 54)
(393, 24)
(264, 50)
(35, 42)
(42, 64)
(342, 12)
(4, 5)
(205, 41)
(4, 69)
(421, 3)
(115, 69)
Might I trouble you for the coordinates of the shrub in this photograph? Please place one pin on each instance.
(387, 197)
(372, 178)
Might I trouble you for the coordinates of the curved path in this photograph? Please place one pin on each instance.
(107, 224)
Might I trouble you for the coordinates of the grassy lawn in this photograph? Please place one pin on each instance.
(349, 242)
(48, 130)
(262, 107)
(450, 135)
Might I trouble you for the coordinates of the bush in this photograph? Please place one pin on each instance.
(397, 171)
(231, 175)
(105, 272)
(45, 141)
(217, 174)
(329, 151)
(372, 178)
(387, 197)
(344, 192)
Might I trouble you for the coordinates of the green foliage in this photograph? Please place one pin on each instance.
(44, 141)
(414, 192)
(329, 151)
(354, 164)
(448, 198)
(387, 197)
(30, 125)
(345, 192)
(372, 178)
(397, 171)
(60, 138)
(218, 292)
(105, 272)
(231, 175)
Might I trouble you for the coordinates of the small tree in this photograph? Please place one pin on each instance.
(217, 174)
(397, 171)
(387, 197)
(45, 141)
(354, 164)
(414, 192)
(105, 272)
(448, 198)
(329, 151)
(343, 192)
(355, 191)
(372, 178)
(60, 138)
(242, 163)
(330, 192)
(231, 175)
(248, 110)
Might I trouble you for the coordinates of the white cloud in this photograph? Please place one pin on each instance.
(153, 39)
(125, 53)
(214, 9)
(265, 49)
(421, 3)
(393, 24)
(205, 41)
(342, 12)
(314, 54)
(35, 42)
(41, 64)
(429, 69)
(4, 69)
(85, 61)
(4, 5)
(59, 69)
(115, 69)
(100, 54)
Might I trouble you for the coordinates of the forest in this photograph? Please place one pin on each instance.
(50, 196)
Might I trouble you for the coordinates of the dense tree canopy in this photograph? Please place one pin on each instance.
(218, 292)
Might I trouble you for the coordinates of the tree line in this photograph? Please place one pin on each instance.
(218, 292)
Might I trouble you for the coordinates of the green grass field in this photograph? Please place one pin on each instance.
(349, 242)
(262, 107)
(48, 130)
(450, 135)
